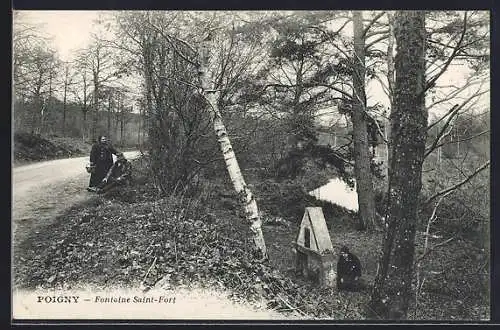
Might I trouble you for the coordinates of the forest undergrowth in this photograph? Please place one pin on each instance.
(134, 237)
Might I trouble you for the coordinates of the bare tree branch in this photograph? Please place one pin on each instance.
(371, 43)
(170, 39)
(457, 48)
(442, 132)
(369, 25)
(464, 139)
(451, 115)
(458, 185)
(457, 90)
(180, 81)
(375, 33)
(434, 248)
(310, 85)
(333, 43)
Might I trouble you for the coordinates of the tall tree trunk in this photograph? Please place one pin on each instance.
(46, 108)
(122, 119)
(297, 138)
(95, 113)
(362, 157)
(247, 199)
(438, 156)
(139, 122)
(390, 82)
(116, 117)
(108, 128)
(84, 109)
(85, 129)
(64, 104)
(147, 113)
(392, 290)
(19, 112)
(38, 103)
(144, 126)
(35, 118)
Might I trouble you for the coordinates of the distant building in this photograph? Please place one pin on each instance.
(336, 131)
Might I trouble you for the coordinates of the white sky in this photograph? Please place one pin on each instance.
(69, 30)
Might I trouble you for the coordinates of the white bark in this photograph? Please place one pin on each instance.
(244, 193)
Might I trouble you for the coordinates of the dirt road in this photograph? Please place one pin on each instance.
(43, 190)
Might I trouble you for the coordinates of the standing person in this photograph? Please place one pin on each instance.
(101, 159)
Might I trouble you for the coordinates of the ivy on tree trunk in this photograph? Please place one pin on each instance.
(392, 289)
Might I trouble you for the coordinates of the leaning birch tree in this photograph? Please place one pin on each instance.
(200, 58)
(245, 195)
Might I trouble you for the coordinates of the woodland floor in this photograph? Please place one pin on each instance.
(132, 238)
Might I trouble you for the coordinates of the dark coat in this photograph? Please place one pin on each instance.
(119, 174)
(101, 155)
(348, 268)
(121, 170)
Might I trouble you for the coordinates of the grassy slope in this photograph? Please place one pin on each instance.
(113, 240)
(30, 148)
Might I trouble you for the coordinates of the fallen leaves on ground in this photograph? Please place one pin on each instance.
(133, 238)
(168, 242)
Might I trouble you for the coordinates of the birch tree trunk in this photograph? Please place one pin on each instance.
(392, 290)
(245, 195)
(362, 158)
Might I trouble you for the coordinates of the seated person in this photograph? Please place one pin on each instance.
(348, 271)
(119, 174)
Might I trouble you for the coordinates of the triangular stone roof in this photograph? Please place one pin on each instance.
(320, 237)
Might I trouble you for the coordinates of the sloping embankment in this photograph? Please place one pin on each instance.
(33, 147)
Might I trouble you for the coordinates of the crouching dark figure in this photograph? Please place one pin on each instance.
(119, 174)
(349, 271)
